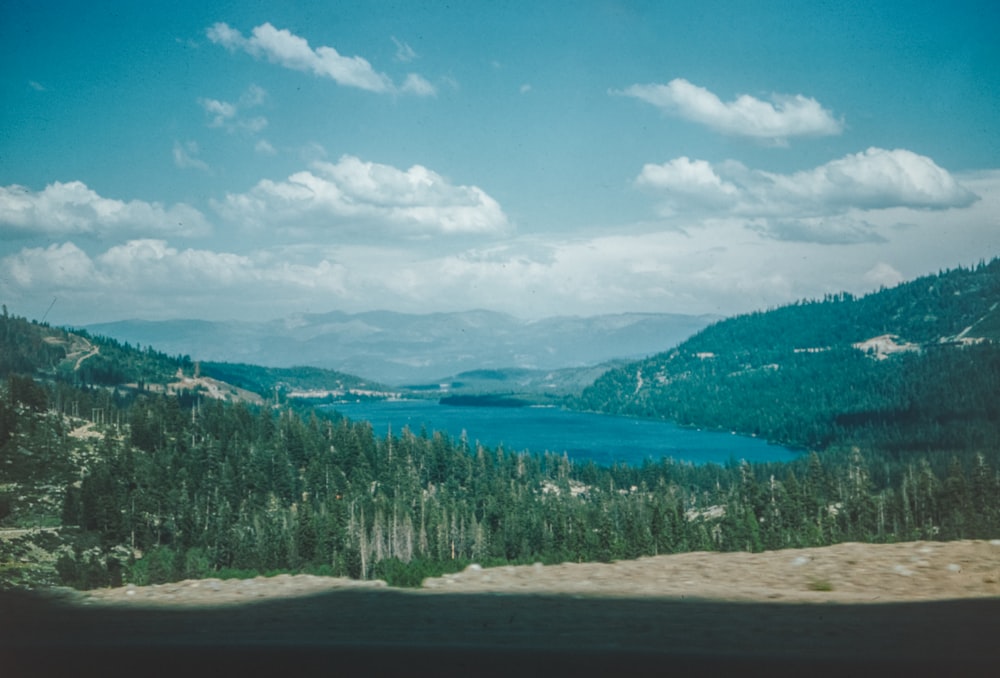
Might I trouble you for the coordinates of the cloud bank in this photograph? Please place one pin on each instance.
(719, 264)
(783, 117)
(282, 47)
(71, 208)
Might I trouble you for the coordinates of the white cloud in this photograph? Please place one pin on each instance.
(364, 198)
(58, 265)
(783, 117)
(264, 147)
(286, 49)
(222, 34)
(254, 96)
(72, 208)
(404, 53)
(873, 179)
(151, 263)
(228, 116)
(689, 180)
(221, 111)
(186, 156)
(883, 275)
(721, 266)
(150, 278)
(417, 84)
(876, 179)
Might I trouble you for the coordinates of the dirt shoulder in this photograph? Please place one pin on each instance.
(845, 573)
(911, 609)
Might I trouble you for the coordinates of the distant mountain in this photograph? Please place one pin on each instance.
(399, 348)
(914, 367)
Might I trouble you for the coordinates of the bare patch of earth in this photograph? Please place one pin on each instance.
(844, 573)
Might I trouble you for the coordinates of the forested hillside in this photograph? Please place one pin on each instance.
(912, 368)
(107, 484)
(295, 382)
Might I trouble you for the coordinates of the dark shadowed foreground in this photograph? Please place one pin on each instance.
(391, 632)
(917, 608)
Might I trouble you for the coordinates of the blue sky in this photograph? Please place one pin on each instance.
(254, 160)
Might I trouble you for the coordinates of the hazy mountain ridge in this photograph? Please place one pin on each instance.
(882, 369)
(398, 348)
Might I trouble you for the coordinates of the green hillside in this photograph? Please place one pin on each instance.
(126, 465)
(914, 367)
(307, 383)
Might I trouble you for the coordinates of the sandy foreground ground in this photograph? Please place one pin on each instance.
(846, 573)
(921, 608)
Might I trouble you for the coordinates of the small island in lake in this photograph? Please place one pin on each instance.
(483, 401)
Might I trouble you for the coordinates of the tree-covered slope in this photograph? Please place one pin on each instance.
(301, 382)
(74, 356)
(103, 485)
(911, 367)
(35, 349)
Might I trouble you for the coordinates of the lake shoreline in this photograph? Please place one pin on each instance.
(605, 439)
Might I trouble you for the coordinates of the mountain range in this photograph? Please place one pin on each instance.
(400, 349)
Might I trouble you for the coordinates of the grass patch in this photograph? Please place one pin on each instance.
(820, 585)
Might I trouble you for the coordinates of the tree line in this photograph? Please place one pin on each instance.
(150, 487)
(172, 490)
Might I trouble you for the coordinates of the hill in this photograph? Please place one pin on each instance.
(80, 358)
(914, 367)
(400, 348)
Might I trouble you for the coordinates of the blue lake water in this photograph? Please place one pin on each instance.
(604, 439)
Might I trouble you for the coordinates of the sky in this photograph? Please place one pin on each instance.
(233, 160)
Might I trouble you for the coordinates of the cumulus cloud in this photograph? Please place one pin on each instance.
(59, 265)
(358, 198)
(874, 179)
(286, 49)
(148, 263)
(148, 277)
(221, 111)
(230, 116)
(689, 181)
(776, 120)
(71, 208)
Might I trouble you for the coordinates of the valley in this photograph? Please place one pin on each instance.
(123, 465)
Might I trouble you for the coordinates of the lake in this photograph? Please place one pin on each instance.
(603, 438)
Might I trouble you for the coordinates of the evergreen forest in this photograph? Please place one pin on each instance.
(125, 478)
